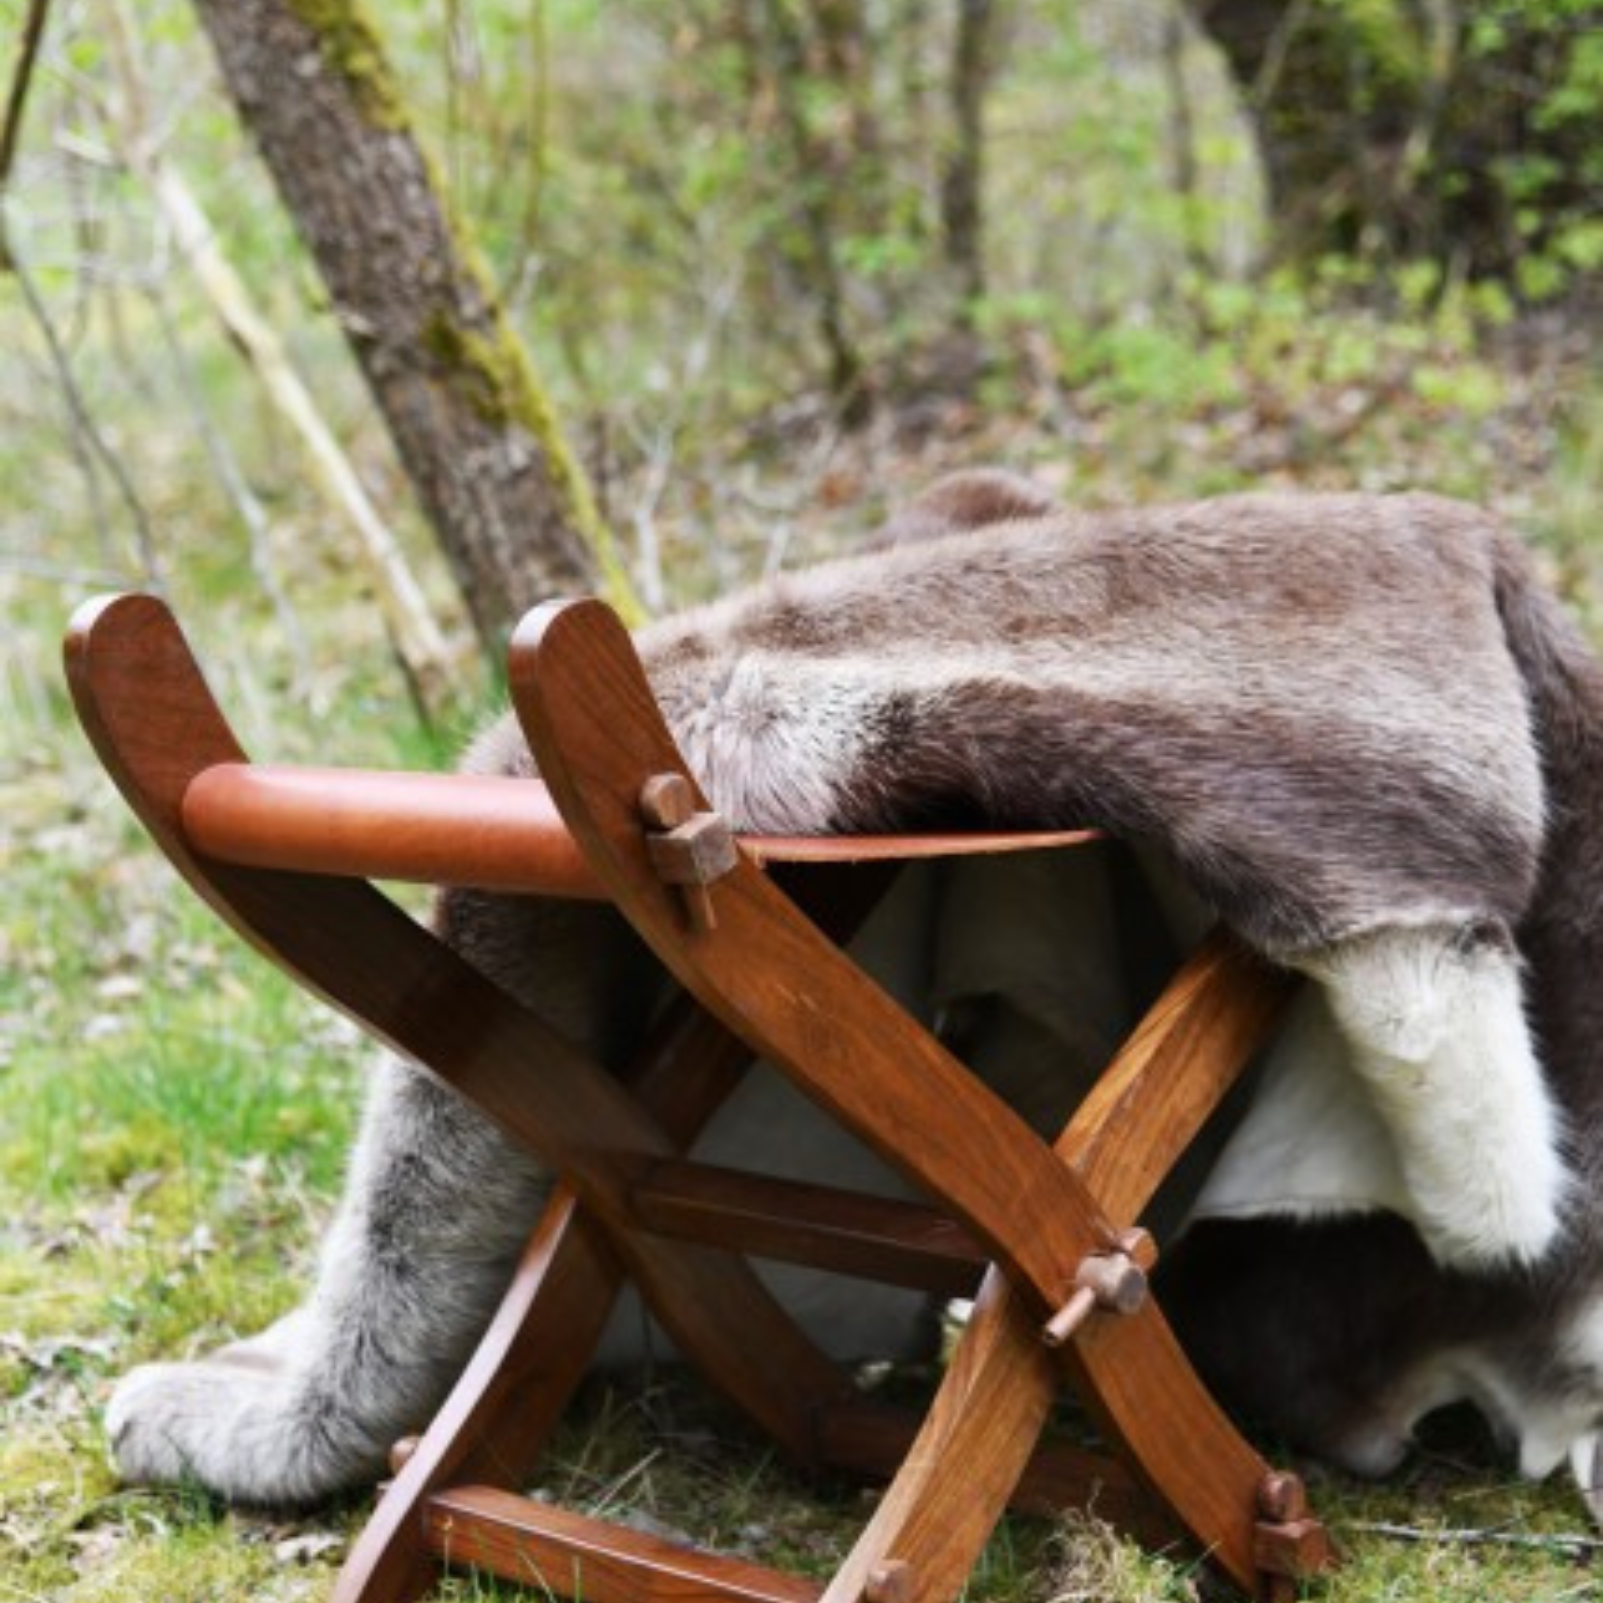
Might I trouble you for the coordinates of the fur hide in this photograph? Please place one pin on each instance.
(1354, 727)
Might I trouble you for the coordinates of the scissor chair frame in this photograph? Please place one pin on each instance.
(1048, 1232)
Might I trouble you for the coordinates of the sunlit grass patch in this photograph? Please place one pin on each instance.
(189, 1056)
(179, 1547)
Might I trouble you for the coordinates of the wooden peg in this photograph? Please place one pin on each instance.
(1294, 1550)
(697, 852)
(666, 801)
(1137, 1244)
(1289, 1545)
(1110, 1280)
(688, 849)
(1282, 1496)
(1061, 1327)
(890, 1581)
(1119, 1284)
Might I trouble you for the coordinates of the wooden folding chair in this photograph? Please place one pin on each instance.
(284, 856)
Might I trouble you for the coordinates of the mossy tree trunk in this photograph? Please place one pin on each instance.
(1469, 135)
(470, 422)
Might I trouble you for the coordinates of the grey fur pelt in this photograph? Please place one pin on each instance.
(1357, 729)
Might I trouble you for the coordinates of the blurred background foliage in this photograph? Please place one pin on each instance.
(777, 262)
(777, 266)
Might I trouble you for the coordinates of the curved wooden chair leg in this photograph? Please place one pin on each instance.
(855, 1052)
(837, 1036)
(1131, 1371)
(155, 725)
(989, 1412)
(985, 1421)
(500, 1414)
(493, 1428)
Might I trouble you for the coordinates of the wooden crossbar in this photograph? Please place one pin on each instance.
(599, 1561)
(872, 1439)
(793, 1221)
(486, 831)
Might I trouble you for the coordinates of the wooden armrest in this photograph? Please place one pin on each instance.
(487, 831)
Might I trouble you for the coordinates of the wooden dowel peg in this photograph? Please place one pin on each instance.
(696, 852)
(1282, 1496)
(1137, 1244)
(1289, 1545)
(666, 801)
(890, 1581)
(1296, 1550)
(1061, 1327)
(1109, 1280)
(689, 849)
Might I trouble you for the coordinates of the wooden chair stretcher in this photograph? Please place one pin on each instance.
(285, 855)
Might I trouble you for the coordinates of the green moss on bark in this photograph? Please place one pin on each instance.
(351, 47)
(491, 370)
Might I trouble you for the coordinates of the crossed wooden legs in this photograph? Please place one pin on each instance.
(765, 979)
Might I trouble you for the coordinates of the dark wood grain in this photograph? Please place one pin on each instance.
(793, 1221)
(488, 831)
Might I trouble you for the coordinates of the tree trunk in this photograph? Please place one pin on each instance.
(470, 422)
(962, 197)
(1468, 135)
(822, 168)
(1334, 97)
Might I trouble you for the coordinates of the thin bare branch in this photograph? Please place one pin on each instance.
(33, 30)
(89, 443)
(1489, 1536)
(412, 626)
(252, 514)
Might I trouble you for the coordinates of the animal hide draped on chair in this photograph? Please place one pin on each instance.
(1354, 728)
(1359, 730)
(1324, 714)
